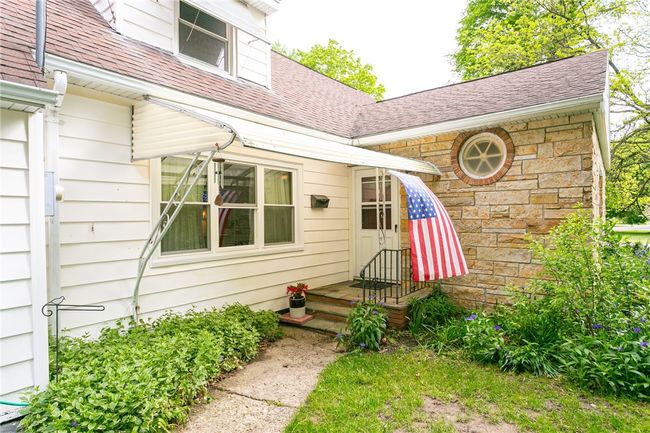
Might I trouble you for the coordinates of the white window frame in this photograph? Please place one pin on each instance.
(493, 138)
(231, 71)
(258, 248)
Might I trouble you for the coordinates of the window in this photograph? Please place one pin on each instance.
(236, 208)
(237, 214)
(482, 156)
(369, 203)
(190, 230)
(278, 207)
(203, 37)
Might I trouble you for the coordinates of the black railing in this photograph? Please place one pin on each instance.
(389, 275)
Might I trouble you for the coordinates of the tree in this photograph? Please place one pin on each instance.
(501, 35)
(338, 63)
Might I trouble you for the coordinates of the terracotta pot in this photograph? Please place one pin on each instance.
(297, 307)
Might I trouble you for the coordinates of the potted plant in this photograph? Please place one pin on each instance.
(297, 299)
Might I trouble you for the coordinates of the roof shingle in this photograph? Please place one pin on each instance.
(76, 31)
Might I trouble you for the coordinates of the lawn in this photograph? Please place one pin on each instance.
(418, 391)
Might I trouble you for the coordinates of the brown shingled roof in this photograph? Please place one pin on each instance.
(555, 81)
(76, 31)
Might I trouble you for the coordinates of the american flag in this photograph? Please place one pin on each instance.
(435, 249)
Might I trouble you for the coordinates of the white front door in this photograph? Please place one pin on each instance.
(367, 236)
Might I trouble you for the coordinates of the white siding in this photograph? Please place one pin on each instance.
(107, 10)
(149, 21)
(253, 57)
(21, 272)
(106, 217)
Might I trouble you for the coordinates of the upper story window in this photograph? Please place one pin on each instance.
(204, 37)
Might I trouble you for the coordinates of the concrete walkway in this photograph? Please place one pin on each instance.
(262, 397)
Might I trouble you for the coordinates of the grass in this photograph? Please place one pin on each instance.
(406, 391)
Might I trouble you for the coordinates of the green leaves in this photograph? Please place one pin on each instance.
(143, 378)
(340, 64)
(366, 327)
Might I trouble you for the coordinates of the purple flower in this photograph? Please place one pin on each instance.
(381, 304)
(619, 348)
(339, 336)
(497, 328)
(643, 319)
(221, 358)
(375, 312)
(353, 302)
(597, 326)
(362, 345)
(643, 344)
(471, 317)
(74, 424)
(636, 330)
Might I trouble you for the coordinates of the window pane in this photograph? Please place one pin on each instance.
(369, 218)
(368, 189)
(239, 184)
(236, 227)
(278, 224)
(277, 187)
(171, 171)
(199, 45)
(203, 20)
(189, 231)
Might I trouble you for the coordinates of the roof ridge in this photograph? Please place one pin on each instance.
(494, 75)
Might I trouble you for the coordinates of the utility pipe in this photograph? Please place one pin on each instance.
(41, 29)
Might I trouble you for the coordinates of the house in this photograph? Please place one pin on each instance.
(135, 92)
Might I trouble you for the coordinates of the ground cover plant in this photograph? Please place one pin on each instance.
(366, 326)
(416, 390)
(144, 378)
(586, 317)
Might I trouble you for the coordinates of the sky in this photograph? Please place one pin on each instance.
(407, 42)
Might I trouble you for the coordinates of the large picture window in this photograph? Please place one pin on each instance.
(235, 206)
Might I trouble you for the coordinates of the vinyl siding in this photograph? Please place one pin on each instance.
(148, 21)
(16, 340)
(253, 57)
(107, 215)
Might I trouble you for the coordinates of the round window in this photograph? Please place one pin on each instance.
(482, 156)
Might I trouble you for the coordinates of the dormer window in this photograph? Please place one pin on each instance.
(204, 37)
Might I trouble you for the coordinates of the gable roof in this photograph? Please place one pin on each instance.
(76, 31)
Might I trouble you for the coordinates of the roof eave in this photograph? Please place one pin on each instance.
(28, 95)
(594, 103)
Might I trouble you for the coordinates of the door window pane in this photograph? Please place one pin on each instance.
(236, 227)
(278, 224)
(369, 217)
(369, 191)
(189, 231)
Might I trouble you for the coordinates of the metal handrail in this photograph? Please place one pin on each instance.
(389, 274)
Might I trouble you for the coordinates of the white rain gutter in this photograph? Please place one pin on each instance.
(28, 95)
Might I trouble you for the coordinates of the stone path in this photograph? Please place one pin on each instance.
(262, 397)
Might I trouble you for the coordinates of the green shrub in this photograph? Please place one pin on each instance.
(426, 314)
(366, 327)
(144, 378)
(483, 340)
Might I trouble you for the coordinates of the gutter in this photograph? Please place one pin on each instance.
(24, 94)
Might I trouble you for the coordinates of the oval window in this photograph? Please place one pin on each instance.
(482, 156)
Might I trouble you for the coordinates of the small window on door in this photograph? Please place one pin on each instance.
(369, 201)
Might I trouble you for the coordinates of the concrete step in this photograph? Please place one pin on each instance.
(324, 325)
(330, 309)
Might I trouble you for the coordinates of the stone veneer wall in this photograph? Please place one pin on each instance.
(556, 164)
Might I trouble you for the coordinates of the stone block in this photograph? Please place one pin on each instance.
(443, 160)
(392, 145)
(503, 197)
(528, 149)
(499, 211)
(570, 192)
(518, 211)
(530, 136)
(541, 225)
(545, 150)
(564, 134)
(513, 127)
(584, 117)
(551, 165)
(503, 224)
(506, 269)
(421, 140)
(530, 270)
(406, 151)
(557, 213)
(449, 136)
(483, 265)
(464, 199)
(517, 282)
(436, 146)
(514, 255)
(543, 198)
(582, 146)
(478, 239)
(512, 240)
(476, 212)
(495, 280)
(517, 184)
(468, 226)
(469, 293)
(562, 180)
(555, 121)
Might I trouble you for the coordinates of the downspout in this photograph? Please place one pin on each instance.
(52, 168)
(41, 30)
